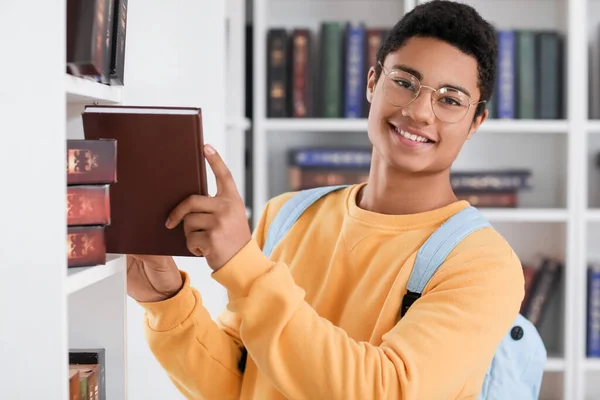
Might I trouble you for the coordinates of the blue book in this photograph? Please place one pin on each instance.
(505, 100)
(593, 312)
(358, 158)
(355, 76)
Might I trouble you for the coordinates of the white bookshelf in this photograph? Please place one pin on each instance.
(48, 308)
(85, 91)
(82, 277)
(553, 218)
(325, 125)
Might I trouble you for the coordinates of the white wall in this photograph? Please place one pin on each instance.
(175, 56)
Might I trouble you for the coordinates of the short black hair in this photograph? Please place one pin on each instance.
(457, 24)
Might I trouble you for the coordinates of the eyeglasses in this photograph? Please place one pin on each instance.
(449, 104)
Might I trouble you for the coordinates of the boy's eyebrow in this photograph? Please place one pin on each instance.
(408, 69)
(419, 76)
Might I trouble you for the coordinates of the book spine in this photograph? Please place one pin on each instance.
(354, 92)
(545, 282)
(74, 384)
(506, 74)
(332, 69)
(550, 77)
(117, 66)
(277, 82)
(301, 44)
(529, 277)
(85, 246)
(373, 41)
(88, 205)
(526, 75)
(593, 312)
(490, 181)
(92, 357)
(300, 179)
(330, 158)
(91, 161)
(107, 45)
(492, 199)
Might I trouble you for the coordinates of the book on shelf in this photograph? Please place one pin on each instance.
(310, 167)
(160, 162)
(541, 284)
(593, 310)
(95, 39)
(323, 74)
(91, 170)
(87, 370)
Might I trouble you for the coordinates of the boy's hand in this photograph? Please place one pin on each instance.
(152, 278)
(215, 227)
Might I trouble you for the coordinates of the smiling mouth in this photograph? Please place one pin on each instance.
(410, 136)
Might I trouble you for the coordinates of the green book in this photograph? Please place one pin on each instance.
(331, 53)
(526, 76)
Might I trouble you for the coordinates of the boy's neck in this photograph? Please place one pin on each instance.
(396, 193)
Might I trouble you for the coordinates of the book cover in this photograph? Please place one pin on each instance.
(88, 205)
(91, 161)
(160, 163)
(85, 246)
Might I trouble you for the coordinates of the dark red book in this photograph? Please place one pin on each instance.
(91, 161)
(160, 163)
(88, 205)
(85, 246)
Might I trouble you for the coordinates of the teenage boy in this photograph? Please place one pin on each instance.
(317, 320)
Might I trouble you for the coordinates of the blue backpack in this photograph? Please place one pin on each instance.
(517, 367)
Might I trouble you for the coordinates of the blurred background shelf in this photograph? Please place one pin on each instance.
(555, 364)
(594, 127)
(525, 215)
(360, 125)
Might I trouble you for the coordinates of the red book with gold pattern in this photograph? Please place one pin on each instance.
(85, 246)
(91, 161)
(88, 205)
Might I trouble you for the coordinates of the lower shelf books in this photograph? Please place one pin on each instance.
(87, 374)
(91, 169)
(315, 167)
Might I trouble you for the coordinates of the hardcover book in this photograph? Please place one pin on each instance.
(160, 162)
(88, 205)
(85, 246)
(91, 161)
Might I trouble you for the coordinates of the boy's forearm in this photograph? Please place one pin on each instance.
(200, 358)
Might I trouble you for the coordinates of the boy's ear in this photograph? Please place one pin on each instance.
(477, 123)
(370, 84)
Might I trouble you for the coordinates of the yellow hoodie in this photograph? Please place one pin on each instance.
(318, 319)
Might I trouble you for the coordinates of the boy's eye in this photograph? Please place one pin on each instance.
(450, 101)
(404, 83)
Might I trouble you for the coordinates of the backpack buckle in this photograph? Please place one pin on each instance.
(407, 301)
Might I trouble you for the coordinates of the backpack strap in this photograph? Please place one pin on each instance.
(291, 211)
(437, 247)
(287, 215)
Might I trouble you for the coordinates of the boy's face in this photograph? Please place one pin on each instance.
(439, 65)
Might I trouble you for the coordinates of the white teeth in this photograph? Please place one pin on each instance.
(410, 136)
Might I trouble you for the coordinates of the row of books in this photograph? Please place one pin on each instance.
(541, 284)
(87, 374)
(91, 169)
(324, 74)
(96, 31)
(315, 167)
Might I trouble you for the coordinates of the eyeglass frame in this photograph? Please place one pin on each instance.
(434, 90)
